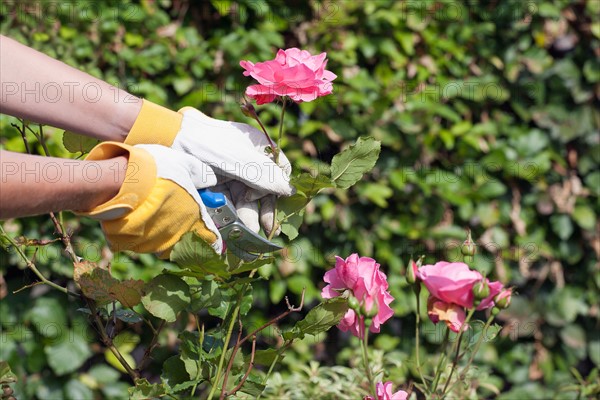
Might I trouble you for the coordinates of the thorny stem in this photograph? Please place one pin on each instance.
(23, 135)
(417, 342)
(278, 149)
(234, 315)
(33, 268)
(442, 359)
(463, 373)
(108, 341)
(151, 346)
(364, 345)
(252, 334)
(456, 354)
(250, 366)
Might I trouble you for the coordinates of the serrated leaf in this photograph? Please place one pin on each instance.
(207, 295)
(195, 254)
(144, 390)
(291, 226)
(310, 185)
(350, 165)
(6, 375)
(76, 143)
(98, 284)
(165, 296)
(190, 353)
(249, 266)
(174, 372)
(321, 318)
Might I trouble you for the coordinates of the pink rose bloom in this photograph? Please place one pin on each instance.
(368, 284)
(452, 314)
(294, 73)
(384, 392)
(450, 282)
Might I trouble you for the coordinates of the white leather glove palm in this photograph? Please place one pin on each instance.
(237, 154)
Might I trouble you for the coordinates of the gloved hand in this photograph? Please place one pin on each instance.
(235, 151)
(158, 201)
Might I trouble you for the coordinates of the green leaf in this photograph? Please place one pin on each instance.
(264, 357)
(195, 254)
(165, 296)
(491, 189)
(68, 355)
(376, 193)
(48, 315)
(77, 390)
(290, 211)
(562, 226)
(174, 372)
(76, 143)
(144, 390)
(321, 318)
(585, 217)
(6, 375)
(252, 388)
(350, 165)
(190, 353)
(205, 296)
(103, 374)
(308, 185)
(249, 266)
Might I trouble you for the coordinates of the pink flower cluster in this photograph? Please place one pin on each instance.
(384, 392)
(362, 277)
(294, 73)
(451, 292)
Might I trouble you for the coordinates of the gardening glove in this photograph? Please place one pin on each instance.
(158, 201)
(235, 151)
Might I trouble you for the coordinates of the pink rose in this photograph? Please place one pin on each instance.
(452, 314)
(384, 392)
(368, 284)
(294, 73)
(450, 282)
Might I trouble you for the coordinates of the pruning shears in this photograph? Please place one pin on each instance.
(243, 242)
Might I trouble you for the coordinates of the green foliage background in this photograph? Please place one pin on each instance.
(488, 116)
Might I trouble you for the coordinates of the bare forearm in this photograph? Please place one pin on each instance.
(45, 90)
(32, 185)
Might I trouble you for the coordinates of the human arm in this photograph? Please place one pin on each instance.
(33, 185)
(39, 88)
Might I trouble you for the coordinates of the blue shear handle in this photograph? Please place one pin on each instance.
(212, 199)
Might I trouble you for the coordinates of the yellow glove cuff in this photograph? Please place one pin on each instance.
(154, 125)
(158, 223)
(140, 178)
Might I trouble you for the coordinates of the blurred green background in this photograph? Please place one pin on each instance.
(488, 116)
